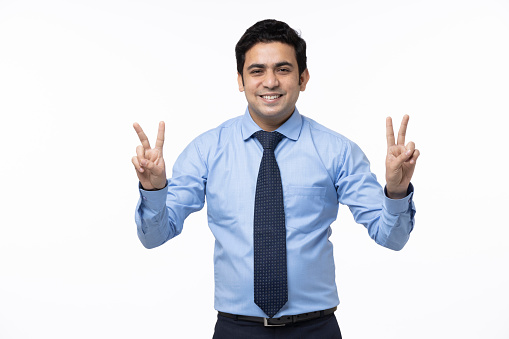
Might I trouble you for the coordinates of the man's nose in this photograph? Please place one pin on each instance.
(271, 80)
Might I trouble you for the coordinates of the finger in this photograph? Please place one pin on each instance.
(404, 155)
(141, 135)
(402, 130)
(159, 162)
(410, 147)
(389, 132)
(154, 155)
(408, 156)
(137, 164)
(399, 160)
(414, 157)
(153, 168)
(160, 136)
(140, 153)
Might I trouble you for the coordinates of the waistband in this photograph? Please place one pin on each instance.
(281, 321)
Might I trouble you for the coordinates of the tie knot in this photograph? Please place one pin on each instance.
(269, 140)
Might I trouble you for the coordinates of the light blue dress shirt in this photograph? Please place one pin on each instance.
(319, 169)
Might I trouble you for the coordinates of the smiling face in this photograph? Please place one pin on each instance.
(271, 83)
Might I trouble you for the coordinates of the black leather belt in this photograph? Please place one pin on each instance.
(282, 321)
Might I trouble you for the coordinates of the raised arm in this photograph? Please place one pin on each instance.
(400, 161)
(149, 162)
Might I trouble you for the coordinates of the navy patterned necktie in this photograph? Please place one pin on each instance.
(270, 276)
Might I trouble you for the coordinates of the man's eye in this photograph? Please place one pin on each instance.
(284, 70)
(256, 71)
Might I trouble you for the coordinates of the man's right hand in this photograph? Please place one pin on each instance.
(149, 162)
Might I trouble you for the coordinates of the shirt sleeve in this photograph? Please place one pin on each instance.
(388, 221)
(160, 214)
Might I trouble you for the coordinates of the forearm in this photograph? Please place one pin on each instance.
(154, 224)
(392, 229)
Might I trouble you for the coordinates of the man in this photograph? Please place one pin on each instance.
(273, 180)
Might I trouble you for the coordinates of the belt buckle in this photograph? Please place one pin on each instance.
(266, 324)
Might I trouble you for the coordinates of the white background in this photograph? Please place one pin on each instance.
(75, 75)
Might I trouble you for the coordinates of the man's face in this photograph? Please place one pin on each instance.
(271, 83)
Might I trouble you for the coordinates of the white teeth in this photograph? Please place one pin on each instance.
(270, 97)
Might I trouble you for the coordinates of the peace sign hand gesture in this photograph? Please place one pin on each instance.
(149, 162)
(400, 161)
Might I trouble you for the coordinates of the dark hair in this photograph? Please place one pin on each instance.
(268, 31)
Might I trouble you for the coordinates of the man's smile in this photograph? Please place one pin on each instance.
(271, 97)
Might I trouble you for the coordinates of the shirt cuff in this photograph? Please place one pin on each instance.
(155, 200)
(397, 206)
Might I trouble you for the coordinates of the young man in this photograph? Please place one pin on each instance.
(273, 180)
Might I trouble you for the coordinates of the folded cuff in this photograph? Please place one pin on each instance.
(397, 206)
(156, 199)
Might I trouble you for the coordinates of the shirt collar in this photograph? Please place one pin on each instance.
(290, 129)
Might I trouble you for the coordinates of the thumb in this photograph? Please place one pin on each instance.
(155, 167)
(154, 155)
(404, 156)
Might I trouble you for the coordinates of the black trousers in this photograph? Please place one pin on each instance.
(321, 328)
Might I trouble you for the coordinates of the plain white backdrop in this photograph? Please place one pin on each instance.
(75, 75)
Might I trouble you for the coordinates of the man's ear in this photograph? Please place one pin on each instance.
(303, 80)
(240, 81)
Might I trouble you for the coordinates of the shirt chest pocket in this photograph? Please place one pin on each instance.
(304, 206)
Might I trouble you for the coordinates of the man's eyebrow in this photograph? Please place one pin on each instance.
(284, 63)
(255, 66)
(279, 64)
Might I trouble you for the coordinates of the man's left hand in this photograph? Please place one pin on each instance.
(400, 161)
